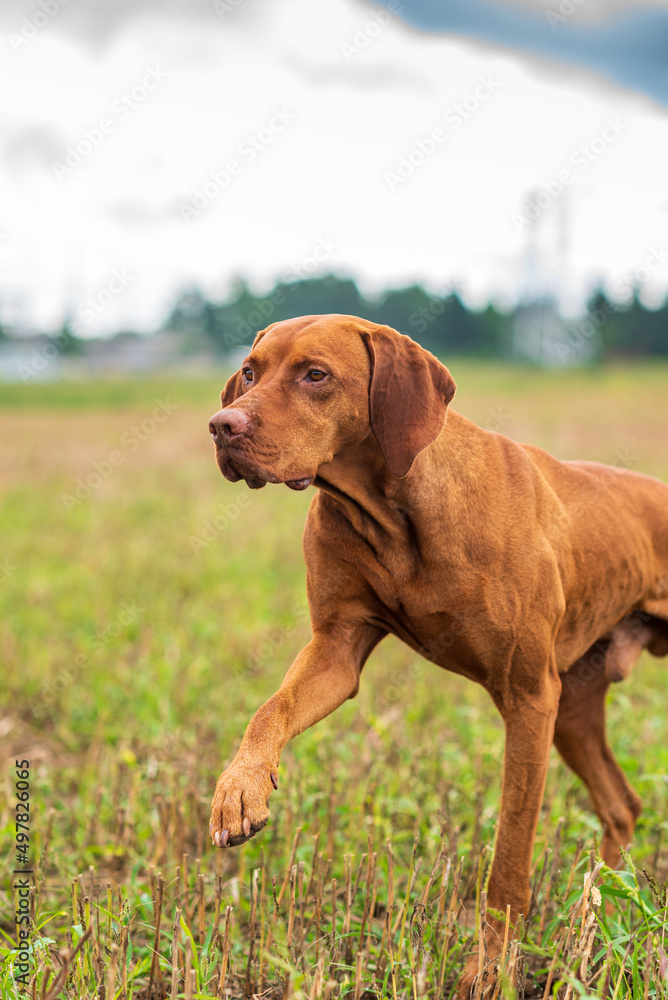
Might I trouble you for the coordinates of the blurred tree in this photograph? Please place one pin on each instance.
(605, 322)
(192, 317)
(68, 342)
(442, 324)
(646, 329)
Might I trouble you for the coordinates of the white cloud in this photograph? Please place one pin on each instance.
(324, 174)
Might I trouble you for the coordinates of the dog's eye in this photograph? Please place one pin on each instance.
(248, 374)
(315, 375)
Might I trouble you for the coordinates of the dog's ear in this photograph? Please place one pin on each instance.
(232, 389)
(409, 394)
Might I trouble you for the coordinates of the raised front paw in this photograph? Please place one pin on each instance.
(239, 805)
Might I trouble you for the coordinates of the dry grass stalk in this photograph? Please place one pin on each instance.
(502, 961)
(124, 962)
(483, 955)
(316, 985)
(372, 907)
(333, 947)
(359, 966)
(157, 917)
(314, 865)
(176, 934)
(293, 851)
(184, 898)
(390, 951)
(291, 906)
(452, 907)
(251, 944)
(300, 896)
(347, 861)
(262, 922)
(189, 961)
(191, 974)
(111, 972)
(403, 912)
(201, 910)
(226, 952)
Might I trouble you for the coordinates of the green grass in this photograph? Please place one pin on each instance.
(138, 637)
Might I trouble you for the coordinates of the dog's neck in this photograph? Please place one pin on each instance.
(379, 506)
(359, 480)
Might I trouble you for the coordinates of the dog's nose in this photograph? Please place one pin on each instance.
(228, 424)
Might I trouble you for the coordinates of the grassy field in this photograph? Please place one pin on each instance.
(147, 607)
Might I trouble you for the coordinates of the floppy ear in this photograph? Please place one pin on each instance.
(408, 396)
(232, 389)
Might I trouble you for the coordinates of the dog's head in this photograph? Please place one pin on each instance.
(313, 386)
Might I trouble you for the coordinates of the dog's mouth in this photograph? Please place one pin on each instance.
(233, 475)
(255, 479)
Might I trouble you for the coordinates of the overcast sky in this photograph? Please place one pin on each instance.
(494, 146)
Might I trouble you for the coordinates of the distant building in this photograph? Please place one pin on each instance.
(36, 357)
(542, 336)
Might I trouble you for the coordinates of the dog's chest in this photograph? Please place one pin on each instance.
(455, 616)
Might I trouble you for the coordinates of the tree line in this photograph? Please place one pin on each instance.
(530, 331)
(442, 324)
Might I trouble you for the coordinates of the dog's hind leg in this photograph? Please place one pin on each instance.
(579, 737)
(580, 726)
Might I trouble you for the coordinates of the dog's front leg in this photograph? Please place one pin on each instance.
(323, 676)
(529, 726)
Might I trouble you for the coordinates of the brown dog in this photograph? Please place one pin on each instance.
(539, 579)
